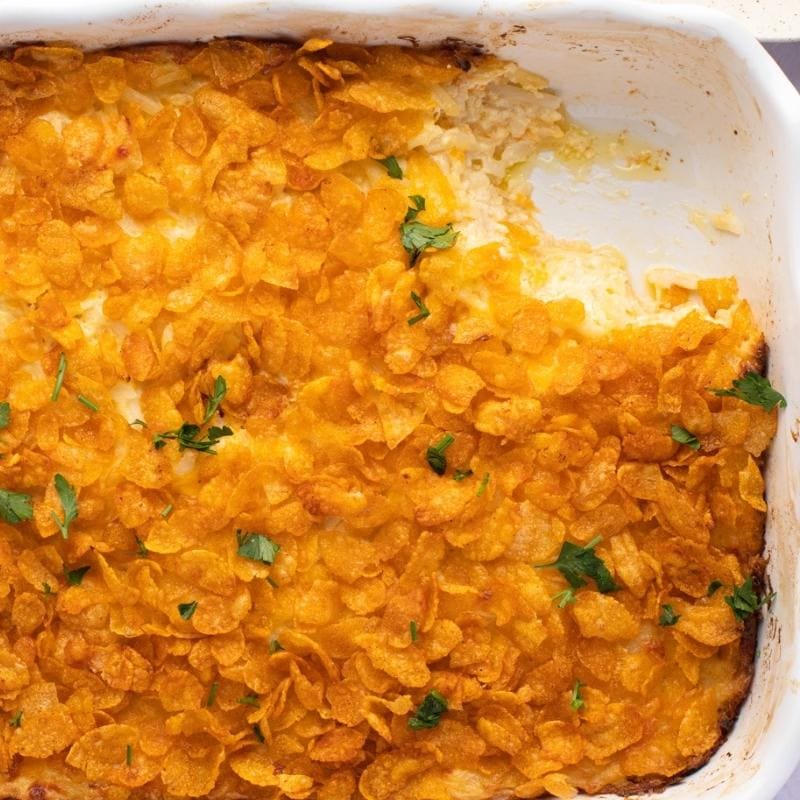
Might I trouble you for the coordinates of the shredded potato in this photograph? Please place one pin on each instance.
(326, 472)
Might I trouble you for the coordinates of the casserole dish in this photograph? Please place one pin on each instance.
(692, 84)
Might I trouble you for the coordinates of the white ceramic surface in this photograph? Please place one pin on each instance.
(686, 79)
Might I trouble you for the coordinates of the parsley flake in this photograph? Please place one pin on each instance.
(744, 601)
(75, 576)
(682, 436)
(88, 403)
(256, 547)
(188, 438)
(60, 373)
(129, 754)
(258, 734)
(249, 700)
(69, 504)
(186, 610)
(139, 422)
(713, 587)
(416, 237)
(668, 616)
(5, 414)
(220, 390)
(576, 702)
(412, 629)
(462, 474)
(272, 582)
(391, 166)
(16, 720)
(483, 484)
(15, 507)
(429, 712)
(754, 389)
(141, 549)
(47, 589)
(563, 599)
(424, 311)
(574, 561)
(275, 647)
(167, 510)
(212, 694)
(435, 456)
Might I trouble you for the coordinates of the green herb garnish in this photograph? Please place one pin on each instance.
(744, 601)
(5, 414)
(682, 436)
(462, 474)
(60, 373)
(668, 616)
(16, 720)
(412, 629)
(212, 694)
(416, 237)
(754, 389)
(129, 754)
(15, 507)
(186, 610)
(141, 548)
(220, 390)
(188, 438)
(275, 647)
(435, 456)
(429, 712)
(576, 701)
(249, 700)
(75, 576)
(713, 587)
(139, 422)
(392, 167)
(483, 484)
(47, 589)
(256, 547)
(88, 403)
(424, 311)
(69, 504)
(563, 599)
(258, 734)
(574, 561)
(167, 510)
(272, 582)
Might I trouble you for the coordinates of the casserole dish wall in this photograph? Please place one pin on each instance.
(687, 80)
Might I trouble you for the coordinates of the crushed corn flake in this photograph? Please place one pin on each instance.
(176, 215)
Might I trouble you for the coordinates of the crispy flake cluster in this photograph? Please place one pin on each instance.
(268, 619)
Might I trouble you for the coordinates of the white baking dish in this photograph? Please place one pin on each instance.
(688, 80)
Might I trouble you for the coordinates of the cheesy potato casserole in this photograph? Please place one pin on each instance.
(326, 471)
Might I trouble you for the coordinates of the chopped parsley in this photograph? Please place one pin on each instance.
(167, 510)
(713, 587)
(141, 549)
(188, 438)
(88, 403)
(392, 167)
(483, 484)
(275, 647)
(186, 610)
(47, 589)
(682, 436)
(416, 237)
(668, 616)
(75, 576)
(60, 373)
(249, 700)
(5, 414)
(435, 456)
(462, 474)
(256, 547)
(69, 504)
(576, 702)
(258, 734)
(213, 403)
(563, 599)
(424, 311)
(754, 389)
(574, 561)
(16, 720)
(129, 754)
(139, 422)
(15, 507)
(744, 601)
(429, 712)
(412, 629)
(212, 694)
(272, 582)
